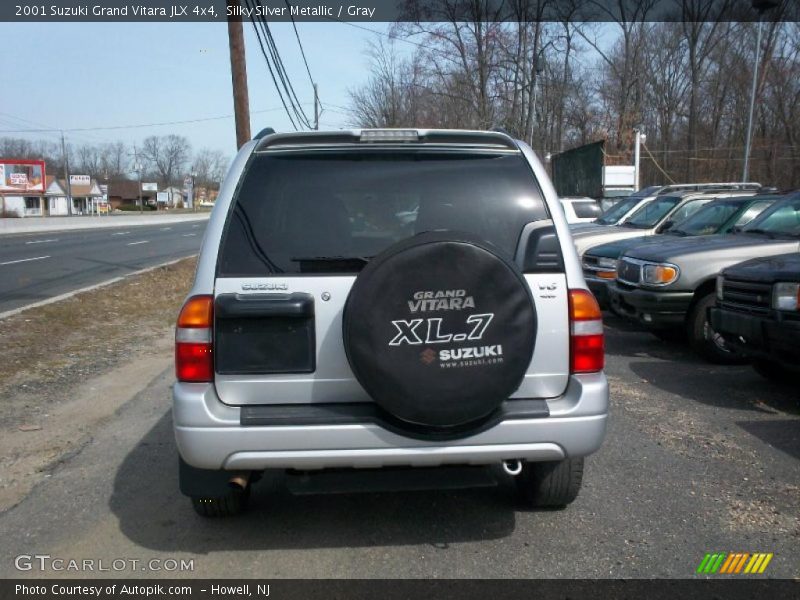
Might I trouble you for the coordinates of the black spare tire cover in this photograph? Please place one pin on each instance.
(439, 329)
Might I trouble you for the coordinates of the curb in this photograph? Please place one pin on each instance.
(102, 284)
(84, 223)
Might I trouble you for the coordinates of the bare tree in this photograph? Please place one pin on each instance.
(209, 168)
(167, 156)
(114, 160)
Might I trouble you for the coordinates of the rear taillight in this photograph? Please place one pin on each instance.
(586, 333)
(194, 356)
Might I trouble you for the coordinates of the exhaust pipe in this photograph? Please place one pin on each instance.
(240, 480)
(512, 467)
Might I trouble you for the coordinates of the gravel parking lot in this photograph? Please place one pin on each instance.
(698, 459)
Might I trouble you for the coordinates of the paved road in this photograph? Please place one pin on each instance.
(698, 459)
(37, 266)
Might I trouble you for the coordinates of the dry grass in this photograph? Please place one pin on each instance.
(58, 346)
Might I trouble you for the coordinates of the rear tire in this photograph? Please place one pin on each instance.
(229, 505)
(550, 484)
(704, 340)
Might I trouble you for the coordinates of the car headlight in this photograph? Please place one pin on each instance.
(786, 296)
(720, 280)
(659, 274)
(607, 263)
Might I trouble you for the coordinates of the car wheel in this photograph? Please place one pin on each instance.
(774, 371)
(232, 503)
(550, 484)
(704, 340)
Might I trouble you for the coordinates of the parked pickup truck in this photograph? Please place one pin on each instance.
(758, 313)
(653, 217)
(672, 284)
(722, 215)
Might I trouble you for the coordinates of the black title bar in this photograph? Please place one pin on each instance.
(33, 11)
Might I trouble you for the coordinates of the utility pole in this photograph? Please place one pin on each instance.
(66, 174)
(241, 103)
(636, 156)
(749, 138)
(761, 6)
(138, 166)
(316, 108)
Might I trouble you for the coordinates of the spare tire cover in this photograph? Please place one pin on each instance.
(439, 329)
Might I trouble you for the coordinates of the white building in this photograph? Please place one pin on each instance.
(85, 195)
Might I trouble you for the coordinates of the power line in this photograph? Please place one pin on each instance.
(284, 76)
(317, 103)
(54, 132)
(259, 32)
(299, 43)
(136, 126)
(275, 66)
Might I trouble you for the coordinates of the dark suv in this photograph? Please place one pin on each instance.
(758, 313)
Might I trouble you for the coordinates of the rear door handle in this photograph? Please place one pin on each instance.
(232, 306)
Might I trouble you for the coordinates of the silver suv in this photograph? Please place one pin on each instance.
(382, 299)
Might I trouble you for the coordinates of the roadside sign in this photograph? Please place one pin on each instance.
(149, 187)
(80, 180)
(22, 176)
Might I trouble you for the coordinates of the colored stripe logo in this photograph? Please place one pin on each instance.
(734, 563)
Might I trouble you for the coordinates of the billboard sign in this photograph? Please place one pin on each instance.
(149, 187)
(80, 180)
(22, 176)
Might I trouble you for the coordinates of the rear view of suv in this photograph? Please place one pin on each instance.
(382, 299)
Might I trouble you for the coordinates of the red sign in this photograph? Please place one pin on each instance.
(22, 176)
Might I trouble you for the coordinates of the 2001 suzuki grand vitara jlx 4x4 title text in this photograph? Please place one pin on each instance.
(381, 299)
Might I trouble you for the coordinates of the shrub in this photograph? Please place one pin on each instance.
(133, 208)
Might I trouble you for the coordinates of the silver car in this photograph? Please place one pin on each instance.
(653, 217)
(382, 299)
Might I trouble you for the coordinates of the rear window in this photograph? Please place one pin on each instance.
(329, 213)
(586, 210)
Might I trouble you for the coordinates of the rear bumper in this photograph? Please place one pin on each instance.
(759, 337)
(655, 310)
(209, 436)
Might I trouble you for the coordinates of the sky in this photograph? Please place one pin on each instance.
(76, 75)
